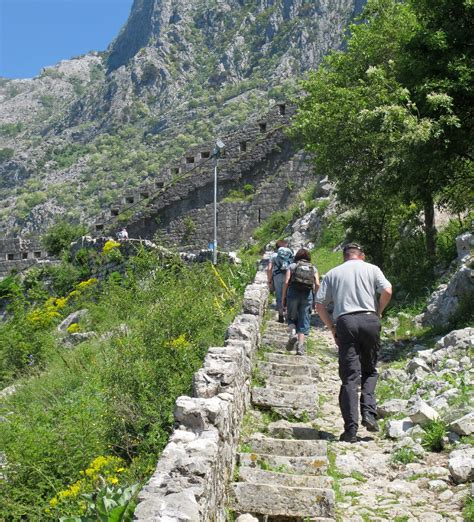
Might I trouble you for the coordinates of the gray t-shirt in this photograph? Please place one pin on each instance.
(352, 287)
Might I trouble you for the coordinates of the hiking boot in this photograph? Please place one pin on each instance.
(281, 318)
(300, 349)
(369, 422)
(349, 436)
(292, 341)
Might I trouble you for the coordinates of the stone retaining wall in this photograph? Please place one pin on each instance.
(190, 479)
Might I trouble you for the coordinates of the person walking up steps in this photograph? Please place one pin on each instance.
(301, 283)
(353, 288)
(276, 271)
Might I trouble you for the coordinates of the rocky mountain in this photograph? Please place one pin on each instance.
(179, 72)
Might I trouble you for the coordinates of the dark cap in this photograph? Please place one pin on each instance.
(354, 246)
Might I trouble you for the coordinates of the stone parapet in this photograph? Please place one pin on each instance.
(190, 480)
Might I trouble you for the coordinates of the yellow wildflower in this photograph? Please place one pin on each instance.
(114, 480)
(109, 246)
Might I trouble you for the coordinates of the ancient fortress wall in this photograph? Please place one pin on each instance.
(195, 467)
(17, 253)
(259, 172)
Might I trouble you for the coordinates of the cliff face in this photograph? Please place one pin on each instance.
(178, 73)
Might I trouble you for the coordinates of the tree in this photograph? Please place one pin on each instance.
(381, 139)
(59, 237)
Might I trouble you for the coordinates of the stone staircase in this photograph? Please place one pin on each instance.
(282, 469)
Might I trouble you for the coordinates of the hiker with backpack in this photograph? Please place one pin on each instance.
(301, 284)
(276, 271)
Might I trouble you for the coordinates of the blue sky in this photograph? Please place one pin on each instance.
(37, 33)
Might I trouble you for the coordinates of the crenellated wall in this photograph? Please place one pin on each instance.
(259, 172)
(17, 254)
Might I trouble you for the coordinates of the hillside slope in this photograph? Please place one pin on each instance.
(178, 73)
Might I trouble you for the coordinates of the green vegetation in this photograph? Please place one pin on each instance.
(10, 130)
(388, 120)
(92, 420)
(58, 238)
(435, 431)
(404, 456)
(6, 154)
(468, 511)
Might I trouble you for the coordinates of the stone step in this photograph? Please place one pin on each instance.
(283, 429)
(292, 359)
(287, 447)
(290, 381)
(275, 501)
(285, 370)
(300, 398)
(261, 476)
(299, 465)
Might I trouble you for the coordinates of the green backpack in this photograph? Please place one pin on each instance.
(303, 275)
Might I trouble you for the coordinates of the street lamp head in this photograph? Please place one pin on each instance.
(218, 148)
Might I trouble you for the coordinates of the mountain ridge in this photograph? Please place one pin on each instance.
(75, 137)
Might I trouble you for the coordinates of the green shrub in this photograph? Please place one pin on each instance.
(468, 511)
(59, 237)
(404, 456)
(6, 154)
(433, 437)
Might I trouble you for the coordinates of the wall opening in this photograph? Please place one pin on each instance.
(99, 227)
(37, 254)
(282, 109)
(144, 195)
(206, 154)
(175, 170)
(10, 257)
(189, 159)
(160, 184)
(114, 211)
(259, 215)
(262, 127)
(129, 199)
(243, 146)
(24, 255)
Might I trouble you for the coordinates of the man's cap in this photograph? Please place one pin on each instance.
(354, 246)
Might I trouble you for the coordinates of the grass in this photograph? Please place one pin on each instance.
(468, 511)
(404, 456)
(111, 396)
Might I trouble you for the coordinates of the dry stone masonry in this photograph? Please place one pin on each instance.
(191, 476)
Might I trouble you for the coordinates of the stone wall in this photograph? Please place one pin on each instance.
(179, 205)
(17, 254)
(190, 479)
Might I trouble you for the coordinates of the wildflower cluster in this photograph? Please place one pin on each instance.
(110, 246)
(180, 343)
(101, 472)
(45, 315)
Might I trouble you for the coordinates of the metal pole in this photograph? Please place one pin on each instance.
(214, 250)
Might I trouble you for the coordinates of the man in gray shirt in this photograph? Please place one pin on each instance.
(353, 288)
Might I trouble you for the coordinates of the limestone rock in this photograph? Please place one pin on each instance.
(461, 465)
(423, 414)
(75, 317)
(398, 428)
(391, 407)
(464, 425)
(348, 463)
(246, 518)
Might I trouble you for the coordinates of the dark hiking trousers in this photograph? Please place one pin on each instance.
(358, 339)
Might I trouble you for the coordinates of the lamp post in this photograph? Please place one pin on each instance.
(219, 146)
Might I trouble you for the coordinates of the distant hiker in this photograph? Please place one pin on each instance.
(122, 235)
(353, 288)
(276, 271)
(301, 283)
